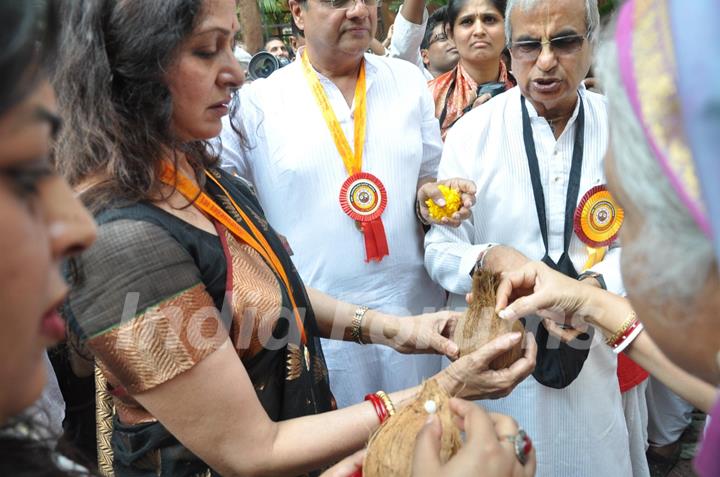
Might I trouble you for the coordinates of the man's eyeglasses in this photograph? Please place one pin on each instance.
(562, 45)
(436, 38)
(348, 4)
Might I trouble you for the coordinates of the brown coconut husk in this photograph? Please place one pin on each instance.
(481, 324)
(390, 450)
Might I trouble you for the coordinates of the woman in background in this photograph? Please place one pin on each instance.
(477, 28)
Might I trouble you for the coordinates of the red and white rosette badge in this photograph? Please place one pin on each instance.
(363, 198)
(598, 218)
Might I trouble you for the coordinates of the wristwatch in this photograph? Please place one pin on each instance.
(479, 262)
(596, 276)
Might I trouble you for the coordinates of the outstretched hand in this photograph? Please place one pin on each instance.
(502, 259)
(536, 289)
(470, 377)
(427, 333)
(430, 190)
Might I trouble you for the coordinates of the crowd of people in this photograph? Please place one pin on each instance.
(207, 275)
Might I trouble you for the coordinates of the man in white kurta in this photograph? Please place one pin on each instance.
(578, 430)
(293, 163)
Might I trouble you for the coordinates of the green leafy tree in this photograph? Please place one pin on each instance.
(276, 17)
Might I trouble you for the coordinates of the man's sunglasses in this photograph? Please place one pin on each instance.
(561, 45)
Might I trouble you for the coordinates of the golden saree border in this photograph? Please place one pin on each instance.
(254, 237)
(256, 298)
(104, 412)
(646, 56)
(126, 407)
(162, 342)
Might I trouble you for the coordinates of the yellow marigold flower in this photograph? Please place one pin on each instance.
(452, 203)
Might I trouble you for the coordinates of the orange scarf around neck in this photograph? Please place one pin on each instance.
(455, 90)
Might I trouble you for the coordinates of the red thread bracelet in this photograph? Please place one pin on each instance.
(379, 406)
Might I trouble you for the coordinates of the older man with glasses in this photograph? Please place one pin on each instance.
(536, 154)
(337, 145)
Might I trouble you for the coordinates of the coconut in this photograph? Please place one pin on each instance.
(390, 450)
(481, 324)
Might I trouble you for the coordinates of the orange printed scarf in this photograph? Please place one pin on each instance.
(455, 90)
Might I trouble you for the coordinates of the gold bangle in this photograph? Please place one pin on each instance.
(632, 317)
(387, 402)
(356, 330)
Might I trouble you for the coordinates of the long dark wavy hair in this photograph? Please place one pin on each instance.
(115, 104)
(28, 33)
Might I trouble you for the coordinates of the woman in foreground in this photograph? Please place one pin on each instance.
(42, 224)
(188, 301)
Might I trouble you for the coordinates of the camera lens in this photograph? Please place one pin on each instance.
(262, 65)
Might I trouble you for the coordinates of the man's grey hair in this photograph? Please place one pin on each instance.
(671, 257)
(592, 17)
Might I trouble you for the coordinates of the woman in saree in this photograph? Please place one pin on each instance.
(188, 302)
(477, 28)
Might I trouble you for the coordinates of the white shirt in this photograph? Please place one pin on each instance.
(406, 42)
(297, 171)
(579, 430)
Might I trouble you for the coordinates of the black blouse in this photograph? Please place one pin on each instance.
(156, 295)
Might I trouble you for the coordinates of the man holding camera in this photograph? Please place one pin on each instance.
(337, 145)
(277, 48)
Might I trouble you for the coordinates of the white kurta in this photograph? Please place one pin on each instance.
(297, 171)
(579, 430)
(635, 408)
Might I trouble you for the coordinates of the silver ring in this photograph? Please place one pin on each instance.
(522, 444)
